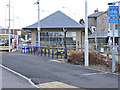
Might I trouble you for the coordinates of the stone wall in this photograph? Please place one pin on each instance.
(92, 22)
(102, 23)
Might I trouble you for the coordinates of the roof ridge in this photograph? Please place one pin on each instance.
(63, 14)
(57, 19)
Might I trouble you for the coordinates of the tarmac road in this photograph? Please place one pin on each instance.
(10, 80)
(42, 70)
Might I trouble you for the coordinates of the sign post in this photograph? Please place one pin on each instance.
(113, 13)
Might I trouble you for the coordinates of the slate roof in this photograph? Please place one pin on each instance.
(56, 20)
(96, 14)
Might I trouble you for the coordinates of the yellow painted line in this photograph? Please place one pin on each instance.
(55, 85)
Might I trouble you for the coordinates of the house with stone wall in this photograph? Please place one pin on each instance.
(101, 29)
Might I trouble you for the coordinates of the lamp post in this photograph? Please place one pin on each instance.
(5, 20)
(13, 23)
(86, 36)
(38, 22)
(9, 26)
(38, 27)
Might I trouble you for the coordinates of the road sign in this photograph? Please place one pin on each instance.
(113, 11)
(113, 20)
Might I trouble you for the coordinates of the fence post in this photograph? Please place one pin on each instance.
(57, 53)
(38, 50)
(52, 53)
(34, 50)
(48, 52)
(45, 51)
(24, 49)
(31, 50)
(61, 54)
(41, 51)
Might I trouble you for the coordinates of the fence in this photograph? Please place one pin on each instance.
(102, 55)
(51, 52)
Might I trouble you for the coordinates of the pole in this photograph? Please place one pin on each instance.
(65, 50)
(113, 50)
(9, 26)
(13, 27)
(96, 40)
(5, 20)
(119, 44)
(86, 36)
(38, 23)
(49, 38)
(17, 40)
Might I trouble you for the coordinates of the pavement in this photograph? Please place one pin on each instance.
(10, 80)
(46, 73)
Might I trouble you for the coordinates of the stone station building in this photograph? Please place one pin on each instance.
(52, 34)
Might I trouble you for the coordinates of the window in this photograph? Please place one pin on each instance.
(93, 29)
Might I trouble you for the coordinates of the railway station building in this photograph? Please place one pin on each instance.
(52, 34)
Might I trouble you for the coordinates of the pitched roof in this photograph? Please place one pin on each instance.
(96, 14)
(56, 20)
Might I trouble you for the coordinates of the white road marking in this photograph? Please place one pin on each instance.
(88, 74)
(29, 80)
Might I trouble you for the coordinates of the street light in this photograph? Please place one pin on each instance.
(9, 26)
(113, 3)
(13, 25)
(38, 3)
(86, 36)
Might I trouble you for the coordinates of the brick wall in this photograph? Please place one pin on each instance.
(91, 22)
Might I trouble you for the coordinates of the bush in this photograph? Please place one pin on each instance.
(94, 60)
(78, 58)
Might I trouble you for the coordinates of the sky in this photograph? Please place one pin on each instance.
(25, 12)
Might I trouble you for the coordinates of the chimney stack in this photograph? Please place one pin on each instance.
(96, 10)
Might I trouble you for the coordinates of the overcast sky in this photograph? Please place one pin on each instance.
(25, 12)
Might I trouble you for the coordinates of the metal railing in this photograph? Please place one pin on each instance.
(52, 52)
